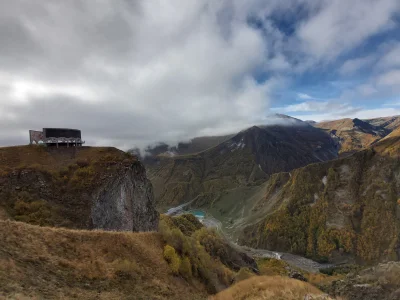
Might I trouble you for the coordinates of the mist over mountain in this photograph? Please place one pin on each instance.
(230, 150)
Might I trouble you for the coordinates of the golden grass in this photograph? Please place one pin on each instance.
(49, 263)
(272, 266)
(268, 288)
(320, 280)
(53, 159)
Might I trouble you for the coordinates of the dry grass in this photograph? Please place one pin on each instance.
(53, 159)
(268, 288)
(48, 263)
(272, 266)
(320, 280)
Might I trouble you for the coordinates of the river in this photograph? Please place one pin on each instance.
(293, 260)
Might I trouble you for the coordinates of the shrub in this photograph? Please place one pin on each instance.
(82, 163)
(172, 258)
(36, 212)
(186, 255)
(185, 268)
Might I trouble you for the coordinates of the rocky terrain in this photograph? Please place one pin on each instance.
(338, 210)
(92, 188)
(372, 283)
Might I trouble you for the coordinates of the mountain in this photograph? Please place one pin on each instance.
(390, 123)
(340, 210)
(76, 187)
(354, 134)
(246, 159)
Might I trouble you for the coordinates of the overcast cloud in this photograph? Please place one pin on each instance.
(131, 73)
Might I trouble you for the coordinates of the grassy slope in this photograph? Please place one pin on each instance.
(390, 123)
(59, 263)
(355, 213)
(52, 187)
(268, 288)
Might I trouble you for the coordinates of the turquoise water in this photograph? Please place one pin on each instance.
(198, 214)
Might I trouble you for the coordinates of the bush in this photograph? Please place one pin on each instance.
(185, 268)
(36, 212)
(82, 163)
(172, 258)
(202, 255)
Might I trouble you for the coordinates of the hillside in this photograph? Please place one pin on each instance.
(183, 261)
(48, 263)
(246, 159)
(341, 210)
(354, 134)
(390, 123)
(76, 187)
(271, 288)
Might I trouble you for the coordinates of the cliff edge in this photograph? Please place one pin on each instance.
(84, 187)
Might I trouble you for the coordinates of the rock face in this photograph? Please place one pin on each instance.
(376, 283)
(125, 202)
(338, 211)
(83, 188)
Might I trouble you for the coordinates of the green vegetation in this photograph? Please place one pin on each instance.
(172, 258)
(272, 266)
(197, 253)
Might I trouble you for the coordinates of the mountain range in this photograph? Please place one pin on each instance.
(302, 187)
(276, 195)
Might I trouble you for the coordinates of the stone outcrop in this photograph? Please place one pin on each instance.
(380, 282)
(125, 202)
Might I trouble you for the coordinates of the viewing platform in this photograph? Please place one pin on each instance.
(56, 137)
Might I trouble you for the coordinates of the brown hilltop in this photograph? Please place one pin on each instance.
(77, 187)
(353, 134)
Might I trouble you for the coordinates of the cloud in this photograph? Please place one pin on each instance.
(352, 65)
(389, 79)
(391, 58)
(304, 96)
(332, 106)
(338, 26)
(131, 73)
(366, 90)
(361, 114)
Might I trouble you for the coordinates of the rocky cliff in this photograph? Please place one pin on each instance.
(338, 210)
(93, 188)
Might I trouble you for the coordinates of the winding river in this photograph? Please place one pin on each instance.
(292, 259)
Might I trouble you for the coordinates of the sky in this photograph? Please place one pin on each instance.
(133, 73)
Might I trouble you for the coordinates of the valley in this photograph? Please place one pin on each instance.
(285, 201)
(292, 260)
(313, 209)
